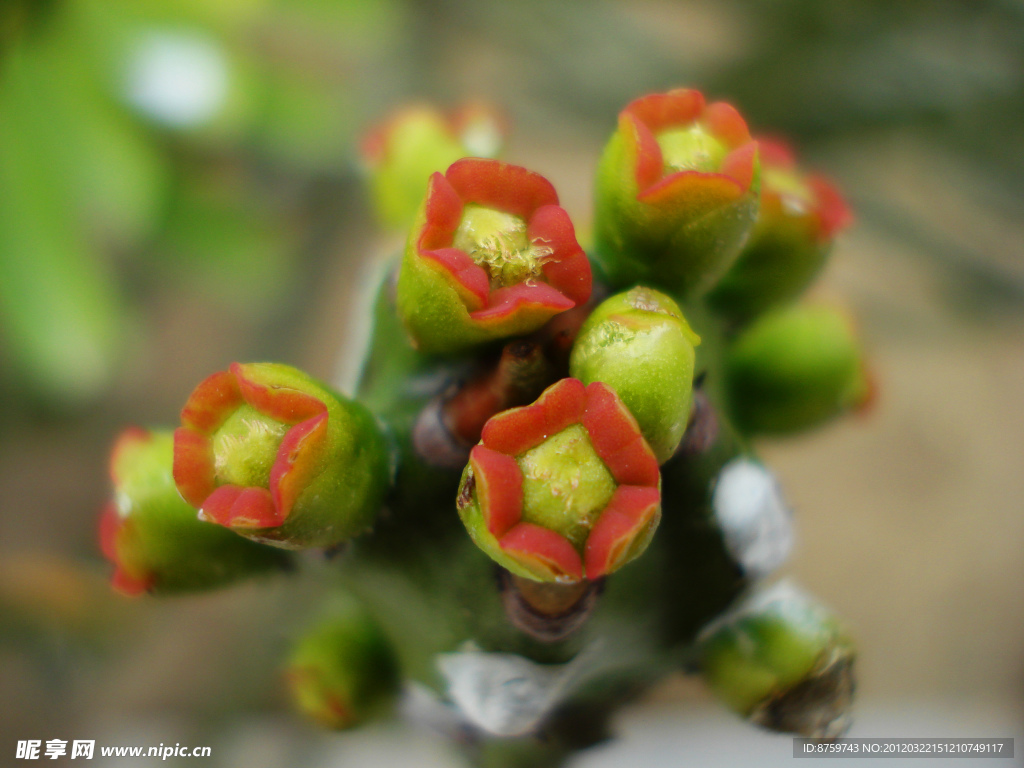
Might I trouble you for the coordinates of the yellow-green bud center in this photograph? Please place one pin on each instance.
(498, 242)
(565, 484)
(245, 447)
(691, 149)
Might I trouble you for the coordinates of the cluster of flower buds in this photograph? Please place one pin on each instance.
(589, 428)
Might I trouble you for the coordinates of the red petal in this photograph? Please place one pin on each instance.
(193, 465)
(699, 192)
(569, 269)
(499, 487)
(284, 404)
(211, 402)
(443, 210)
(726, 124)
(776, 152)
(536, 546)
(628, 513)
(499, 185)
(110, 524)
(236, 507)
(634, 464)
(217, 506)
(563, 404)
(571, 275)
(833, 213)
(616, 438)
(470, 276)
(516, 430)
(297, 462)
(254, 508)
(659, 111)
(649, 160)
(505, 302)
(739, 164)
(130, 585)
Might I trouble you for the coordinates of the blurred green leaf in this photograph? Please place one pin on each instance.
(237, 250)
(115, 173)
(59, 309)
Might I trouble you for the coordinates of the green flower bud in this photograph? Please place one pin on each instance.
(783, 661)
(154, 538)
(676, 192)
(280, 458)
(564, 489)
(640, 345)
(799, 219)
(343, 671)
(795, 368)
(402, 153)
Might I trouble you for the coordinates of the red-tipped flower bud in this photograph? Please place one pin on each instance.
(676, 194)
(280, 458)
(800, 216)
(415, 142)
(562, 489)
(491, 255)
(154, 539)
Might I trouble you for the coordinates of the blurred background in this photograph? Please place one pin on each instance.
(180, 187)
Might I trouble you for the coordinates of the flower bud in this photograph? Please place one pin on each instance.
(640, 345)
(343, 671)
(414, 143)
(676, 192)
(154, 539)
(794, 368)
(491, 255)
(797, 223)
(279, 458)
(784, 661)
(562, 489)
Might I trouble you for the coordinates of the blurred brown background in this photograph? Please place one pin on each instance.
(179, 188)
